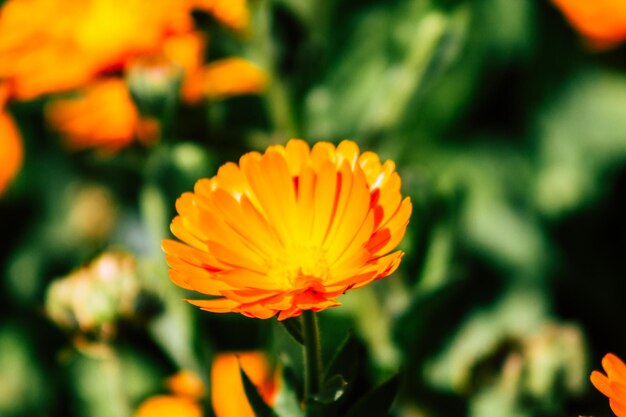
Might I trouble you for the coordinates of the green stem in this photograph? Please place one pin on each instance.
(312, 355)
(113, 367)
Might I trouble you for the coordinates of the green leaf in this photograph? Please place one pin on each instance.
(346, 360)
(294, 328)
(260, 408)
(333, 389)
(378, 401)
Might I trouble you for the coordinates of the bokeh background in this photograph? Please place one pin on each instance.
(508, 127)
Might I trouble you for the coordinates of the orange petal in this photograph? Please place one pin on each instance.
(232, 76)
(11, 152)
(167, 406)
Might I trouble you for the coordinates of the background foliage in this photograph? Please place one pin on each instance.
(510, 137)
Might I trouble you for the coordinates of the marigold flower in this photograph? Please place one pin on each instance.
(602, 22)
(102, 115)
(169, 406)
(11, 152)
(228, 396)
(613, 384)
(289, 230)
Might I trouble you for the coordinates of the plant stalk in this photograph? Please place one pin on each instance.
(312, 355)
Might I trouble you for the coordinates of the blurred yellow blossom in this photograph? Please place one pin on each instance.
(48, 46)
(58, 46)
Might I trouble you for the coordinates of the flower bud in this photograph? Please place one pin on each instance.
(93, 298)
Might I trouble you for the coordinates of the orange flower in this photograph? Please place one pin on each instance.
(602, 22)
(11, 152)
(103, 115)
(186, 384)
(232, 13)
(289, 230)
(613, 384)
(232, 76)
(228, 396)
(186, 388)
(169, 406)
(50, 45)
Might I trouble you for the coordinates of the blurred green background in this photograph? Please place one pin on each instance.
(510, 138)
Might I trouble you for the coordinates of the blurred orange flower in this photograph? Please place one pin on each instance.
(49, 46)
(601, 22)
(186, 388)
(186, 384)
(232, 13)
(169, 406)
(232, 76)
(289, 230)
(228, 396)
(613, 384)
(11, 152)
(102, 115)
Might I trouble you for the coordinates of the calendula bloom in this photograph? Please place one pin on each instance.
(102, 115)
(601, 22)
(613, 384)
(11, 152)
(288, 230)
(228, 396)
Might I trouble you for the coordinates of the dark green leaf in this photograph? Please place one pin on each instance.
(294, 328)
(260, 408)
(346, 360)
(332, 390)
(377, 402)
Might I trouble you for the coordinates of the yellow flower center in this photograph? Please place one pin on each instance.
(300, 268)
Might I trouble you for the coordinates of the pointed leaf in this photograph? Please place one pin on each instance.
(260, 408)
(332, 390)
(346, 360)
(294, 328)
(378, 401)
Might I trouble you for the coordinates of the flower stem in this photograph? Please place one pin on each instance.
(312, 355)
